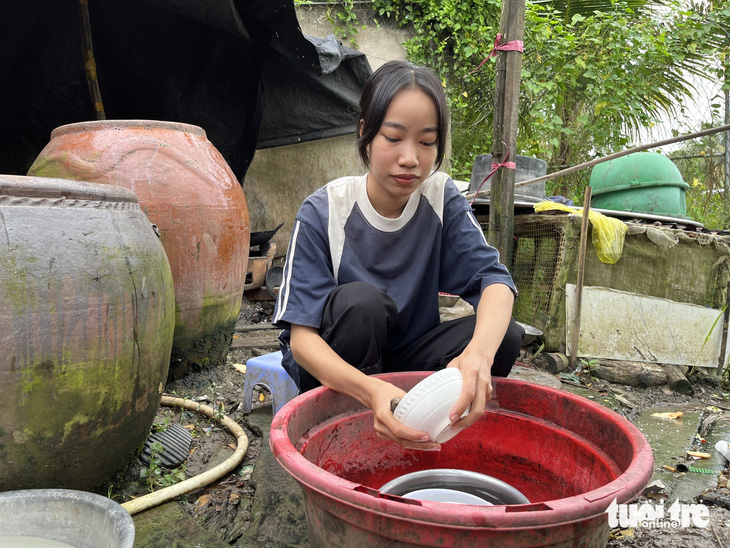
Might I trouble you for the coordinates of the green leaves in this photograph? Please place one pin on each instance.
(452, 37)
(612, 74)
(594, 72)
(156, 475)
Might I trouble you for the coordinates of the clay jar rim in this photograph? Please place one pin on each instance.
(93, 125)
(25, 186)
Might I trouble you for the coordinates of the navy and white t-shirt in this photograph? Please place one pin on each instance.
(436, 245)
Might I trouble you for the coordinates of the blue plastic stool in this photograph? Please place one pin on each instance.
(268, 371)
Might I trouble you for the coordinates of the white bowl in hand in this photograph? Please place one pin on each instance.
(426, 406)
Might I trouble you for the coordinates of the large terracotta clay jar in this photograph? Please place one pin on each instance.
(87, 316)
(188, 190)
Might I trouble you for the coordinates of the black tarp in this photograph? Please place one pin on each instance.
(242, 70)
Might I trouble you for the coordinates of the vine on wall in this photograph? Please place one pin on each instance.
(343, 17)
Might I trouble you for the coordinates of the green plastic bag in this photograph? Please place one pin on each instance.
(608, 233)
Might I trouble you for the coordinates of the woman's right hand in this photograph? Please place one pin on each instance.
(315, 355)
(386, 426)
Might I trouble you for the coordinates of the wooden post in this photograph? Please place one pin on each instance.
(723, 342)
(581, 271)
(504, 141)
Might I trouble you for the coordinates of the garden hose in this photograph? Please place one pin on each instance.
(707, 471)
(201, 480)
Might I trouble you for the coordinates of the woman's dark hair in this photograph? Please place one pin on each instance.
(379, 91)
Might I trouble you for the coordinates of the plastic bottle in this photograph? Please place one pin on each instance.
(723, 447)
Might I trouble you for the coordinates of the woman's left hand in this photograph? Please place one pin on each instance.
(475, 362)
(477, 388)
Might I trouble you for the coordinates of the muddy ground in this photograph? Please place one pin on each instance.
(224, 507)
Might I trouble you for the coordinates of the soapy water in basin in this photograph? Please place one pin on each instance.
(447, 495)
(508, 447)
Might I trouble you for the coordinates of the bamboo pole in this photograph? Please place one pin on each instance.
(504, 137)
(592, 163)
(721, 362)
(579, 282)
(726, 140)
(90, 62)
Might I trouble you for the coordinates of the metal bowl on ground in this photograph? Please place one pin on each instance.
(273, 279)
(532, 333)
(70, 518)
(454, 486)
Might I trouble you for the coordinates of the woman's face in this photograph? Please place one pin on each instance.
(403, 152)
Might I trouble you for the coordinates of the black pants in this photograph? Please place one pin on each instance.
(358, 318)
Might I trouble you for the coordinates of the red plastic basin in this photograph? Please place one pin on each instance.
(570, 456)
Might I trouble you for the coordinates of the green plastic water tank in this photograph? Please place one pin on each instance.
(643, 182)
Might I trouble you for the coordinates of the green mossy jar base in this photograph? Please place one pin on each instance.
(205, 352)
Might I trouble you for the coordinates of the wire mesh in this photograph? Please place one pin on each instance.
(537, 258)
(662, 262)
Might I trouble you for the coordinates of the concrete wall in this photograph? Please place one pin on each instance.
(280, 178)
(380, 41)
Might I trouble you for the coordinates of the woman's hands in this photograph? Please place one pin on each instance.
(475, 362)
(477, 388)
(387, 426)
(316, 356)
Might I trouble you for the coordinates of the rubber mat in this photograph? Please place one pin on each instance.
(175, 441)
